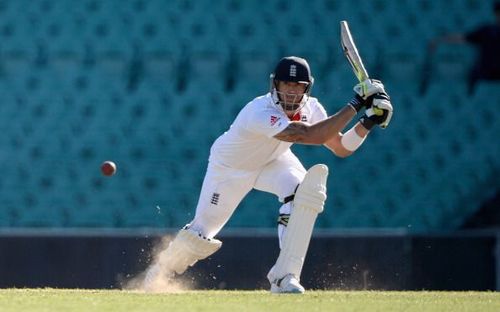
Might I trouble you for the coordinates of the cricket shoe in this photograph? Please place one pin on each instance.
(151, 277)
(287, 285)
(156, 279)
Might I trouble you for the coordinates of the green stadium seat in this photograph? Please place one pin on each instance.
(402, 66)
(207, 68)
(160, 70)
(338, 85)
(94, 218)
(17, 36)
(452, 63)
(8, 212)
(33, 210)
(487, 90)
(85, 81)
(252, 64)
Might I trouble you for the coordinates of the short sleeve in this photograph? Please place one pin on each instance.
(319, 113)
(267, 122)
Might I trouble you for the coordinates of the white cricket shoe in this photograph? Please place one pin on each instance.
(151, 277)
(287, 285)
(156, 279)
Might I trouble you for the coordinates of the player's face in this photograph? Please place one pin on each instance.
(291, 92)
(290, 95)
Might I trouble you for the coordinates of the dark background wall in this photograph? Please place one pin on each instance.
(339, 261)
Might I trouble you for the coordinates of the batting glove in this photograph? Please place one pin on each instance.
(368, 88)
(380, 113)
(364, 93)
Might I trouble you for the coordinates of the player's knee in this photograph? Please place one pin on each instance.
(312, 191)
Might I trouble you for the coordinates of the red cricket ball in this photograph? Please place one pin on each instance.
(108, 168)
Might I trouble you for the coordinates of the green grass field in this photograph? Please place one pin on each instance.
(39, 300)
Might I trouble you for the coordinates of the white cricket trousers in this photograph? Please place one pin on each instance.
(224, 188)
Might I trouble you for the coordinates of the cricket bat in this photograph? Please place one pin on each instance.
(351, 52)
(352, 55)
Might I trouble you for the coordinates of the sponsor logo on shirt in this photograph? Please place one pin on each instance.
(274, 120)
(303, 118)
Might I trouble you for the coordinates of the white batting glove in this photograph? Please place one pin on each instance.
(368, 88)
(383, 107)
(380, 113)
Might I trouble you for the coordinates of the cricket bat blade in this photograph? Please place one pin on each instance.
(351, 52)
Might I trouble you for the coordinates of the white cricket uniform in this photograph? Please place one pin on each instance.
(248, 156)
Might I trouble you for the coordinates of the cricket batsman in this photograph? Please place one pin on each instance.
(254, 153)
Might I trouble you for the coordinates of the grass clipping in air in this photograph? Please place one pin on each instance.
(29, 300)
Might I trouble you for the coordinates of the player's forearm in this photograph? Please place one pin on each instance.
(320, 132)
(326, 129)
(344, 145)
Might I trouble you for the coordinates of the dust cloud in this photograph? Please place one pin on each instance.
(166, 281)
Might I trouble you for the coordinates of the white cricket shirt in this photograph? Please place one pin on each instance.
(249, 142)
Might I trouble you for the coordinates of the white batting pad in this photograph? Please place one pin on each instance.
(309, 201)
(186, 249)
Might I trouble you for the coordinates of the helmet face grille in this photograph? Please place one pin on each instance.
(291, 107)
